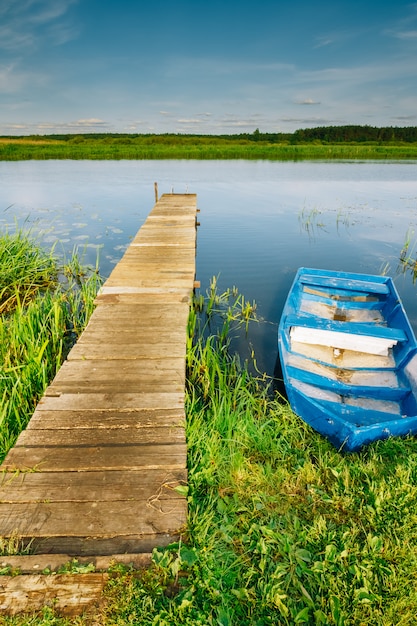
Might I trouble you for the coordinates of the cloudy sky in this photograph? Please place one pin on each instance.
(212, 66)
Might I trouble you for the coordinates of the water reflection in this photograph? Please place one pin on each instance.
(260, 221)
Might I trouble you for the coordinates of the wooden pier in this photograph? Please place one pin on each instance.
(96, 470)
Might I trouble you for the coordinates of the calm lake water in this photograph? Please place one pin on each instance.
(260, 220)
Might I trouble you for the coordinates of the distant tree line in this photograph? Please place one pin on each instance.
(358, 134)
(321, 134)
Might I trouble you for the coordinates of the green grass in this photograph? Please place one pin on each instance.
(44, 306)
(283, 529)
(195, 147)
(24, 270)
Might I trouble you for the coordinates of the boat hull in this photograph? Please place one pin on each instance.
(349, 357)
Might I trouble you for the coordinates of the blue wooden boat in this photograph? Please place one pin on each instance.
(349, 357)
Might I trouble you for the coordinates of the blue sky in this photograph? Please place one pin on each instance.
(218, 66)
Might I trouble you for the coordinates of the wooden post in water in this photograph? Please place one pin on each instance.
(156, 191)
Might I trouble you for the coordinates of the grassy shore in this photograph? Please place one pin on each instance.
(282, 529)
(189, 147)
(44, 306)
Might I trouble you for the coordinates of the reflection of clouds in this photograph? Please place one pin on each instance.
(250, 231)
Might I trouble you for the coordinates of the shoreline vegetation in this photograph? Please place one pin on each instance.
(323, 143)
(282, 528)
(44, 306)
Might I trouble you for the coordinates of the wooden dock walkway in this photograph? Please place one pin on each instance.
(95, 471)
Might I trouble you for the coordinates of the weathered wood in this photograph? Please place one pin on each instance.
(105, 418)
(141, 369)
(107, 456)
(103, 400)
(95, 474)
(37, 563)
(133, 298)
(117, 331)
(92, 347)
(69, 594)
(151, 314)
(100, 520)
(66, 437)
(107, 485)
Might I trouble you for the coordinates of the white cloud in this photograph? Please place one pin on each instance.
(92, 121)
(410, 34)
(13, 80)
(323, 41)
(89, 125)
(361, 74)
(405, 28)
(189, 121)
(212, 66)
(49, 10)
(307, 101)
(25, 25)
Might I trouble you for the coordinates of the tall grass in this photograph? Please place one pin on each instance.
(196, 148)
(44, 307)
(408, 256)
(24, 270)
(283, 529)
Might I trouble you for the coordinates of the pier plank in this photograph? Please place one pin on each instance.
(99, 457)
(105, 418)
(107, 485)
(96, 470)
(56, 400)
(113, 435)
(68, 595)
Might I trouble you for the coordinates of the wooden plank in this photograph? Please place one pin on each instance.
(100, 457)
(68, 594)
(149, 369)
(173, 256)
(146, 333)
(91, 347)
(105, 418)
(175, 232)
(94, 401)
(153, 272)
(101, 520)
(161, 314)
(108, 485)
(108, 387)
(86, 544)
(151, 288)
(36, 563)
(134, 375)
(158, 297)
(104, 436)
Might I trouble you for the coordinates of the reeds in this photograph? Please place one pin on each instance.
(44, 308)
(196, 148)
(408, 262)
(25, 270)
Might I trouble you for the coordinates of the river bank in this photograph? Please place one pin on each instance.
(196, 148)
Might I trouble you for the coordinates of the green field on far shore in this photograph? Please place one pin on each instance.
(171, 146)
